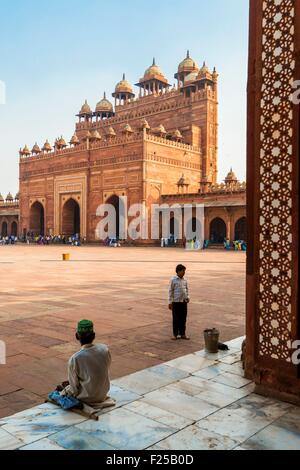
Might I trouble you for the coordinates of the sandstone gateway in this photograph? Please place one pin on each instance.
(160, 146)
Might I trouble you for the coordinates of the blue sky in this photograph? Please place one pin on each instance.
(54, 55)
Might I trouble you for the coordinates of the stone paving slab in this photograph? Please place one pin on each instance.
(124, 291)
(186, 414)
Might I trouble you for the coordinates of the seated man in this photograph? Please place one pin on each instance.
(88, 369)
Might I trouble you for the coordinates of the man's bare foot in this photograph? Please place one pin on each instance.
(174, 338)
(185, 337)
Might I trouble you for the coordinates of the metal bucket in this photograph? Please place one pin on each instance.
(66, 257)
(211, 338)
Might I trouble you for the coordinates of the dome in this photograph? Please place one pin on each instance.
(127, 128)
(74, 140)
(88, 135)
(191, 77)
(104, 105)
(47, 147)
(153, 71)
(1, 198)
(17, 196)
(85, 108)
(203, 71)
(60, 143)
(9, 197)
(144, 124)
(95, 135)
(188, 65)
(177, 135)
(26, 150)
(110, 132)
(124, 86)
(36, 149)
(231, 177)
(160, 130)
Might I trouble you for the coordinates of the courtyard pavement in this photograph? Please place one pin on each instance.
(124, 291)
(196, 402)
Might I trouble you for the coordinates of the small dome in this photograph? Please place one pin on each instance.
(17, 196)
(110, 132)
(9, 197)
(188, 65)
(177, 135)
(231, 177)
(203, 71)
(74, 140)
(36, 149)
(124, 86)
(85, 108)
(104, 105)
(61, 142)
(47, 147)
(191, 77)
(144, 124)
(95, 135)
(127, 128)
(1, 198)
(160, 130)
(88, 135)
(26, 150)
(152, 71)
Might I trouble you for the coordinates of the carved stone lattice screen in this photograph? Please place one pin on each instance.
(273, 156)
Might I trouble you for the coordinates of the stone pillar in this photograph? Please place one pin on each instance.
(272, 193)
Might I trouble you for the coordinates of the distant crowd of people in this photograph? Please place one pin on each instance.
(9, 240)
(237, 245)
(73, 240)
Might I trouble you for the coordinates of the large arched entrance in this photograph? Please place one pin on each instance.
(14, 229)
(240, 230)
(71, 218)
(4, 229)
(217, 232)
(120, 223)
(37, 219)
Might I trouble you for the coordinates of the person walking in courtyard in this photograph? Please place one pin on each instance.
(178, 300)
(88, 369)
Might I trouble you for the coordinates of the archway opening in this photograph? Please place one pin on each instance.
(217, 231)
(71, 218)
(193, 229)
(37, 219)
(4, 229)
(120, 222)
(14, 229)
(240, 231)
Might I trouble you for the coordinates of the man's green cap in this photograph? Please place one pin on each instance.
(85, 326)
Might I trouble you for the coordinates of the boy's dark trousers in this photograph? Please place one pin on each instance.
(179, 310)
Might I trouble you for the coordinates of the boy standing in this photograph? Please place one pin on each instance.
(178, 300)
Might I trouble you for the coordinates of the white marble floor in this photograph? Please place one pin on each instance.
(198, 401)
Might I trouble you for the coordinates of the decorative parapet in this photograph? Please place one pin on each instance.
(225, 188)
(110, 142)
(155, 103)
(9, 204)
